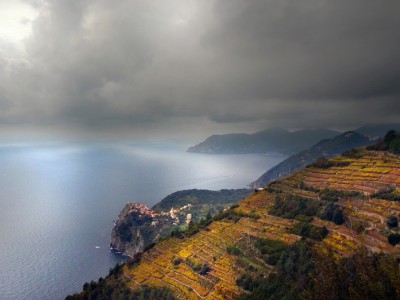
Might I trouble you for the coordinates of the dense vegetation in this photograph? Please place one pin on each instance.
(125, 229)
(114, 286)
(391, 143)
(117, 289)
(394, 239)
(388, 193)
(304, 272)
(354, 153)
(303, 209)
(392, 221)
(293, 266)
(324, 163)
(270, 250)
(201, 197)
(310, 231)
(361, 276)
(234, 215)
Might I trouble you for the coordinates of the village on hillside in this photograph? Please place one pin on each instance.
(143, 210)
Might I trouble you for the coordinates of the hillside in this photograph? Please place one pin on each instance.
(325, 232)
(201, 197)
(325, 148)
(137, 226)
(274, 140)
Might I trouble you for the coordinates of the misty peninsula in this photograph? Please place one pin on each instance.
(272, 140)
(281, 141)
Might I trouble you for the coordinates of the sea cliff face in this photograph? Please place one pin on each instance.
(128, 248)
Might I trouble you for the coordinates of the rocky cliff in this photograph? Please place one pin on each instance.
(137, 227)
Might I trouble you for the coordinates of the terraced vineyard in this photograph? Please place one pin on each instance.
(368, 174)
(338, 207)
(168, 264)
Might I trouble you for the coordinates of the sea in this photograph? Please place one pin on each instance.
(58, 203)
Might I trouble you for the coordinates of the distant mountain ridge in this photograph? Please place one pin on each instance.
(326, 148)
(271, 140)
(278, 140)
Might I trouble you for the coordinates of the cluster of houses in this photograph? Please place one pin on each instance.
(174, 214)
(144, 210)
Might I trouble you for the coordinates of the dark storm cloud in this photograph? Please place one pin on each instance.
(311, 49)
(97, 64)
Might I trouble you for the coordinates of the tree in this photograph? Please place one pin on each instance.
(191, 224)
(395, 145)
(394, 239)
(390, 136)
(322, 163)
(392, 221)
(338, 216)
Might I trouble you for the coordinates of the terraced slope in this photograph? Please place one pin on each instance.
(170, 263)
(337, 206)
(326, 148)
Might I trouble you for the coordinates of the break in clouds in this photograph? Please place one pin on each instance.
(169, 66)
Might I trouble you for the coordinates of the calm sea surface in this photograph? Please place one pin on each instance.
(58, 203)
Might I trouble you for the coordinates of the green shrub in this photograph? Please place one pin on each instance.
(176, 261)
(388, 193)
(233, 250)
(392, 221)
(391, 142)
(271, 250)
(394, 239)
(303, 218)
(322, 163)
(310, 231)
(354, 153)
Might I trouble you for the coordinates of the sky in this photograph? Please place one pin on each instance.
(189, 68)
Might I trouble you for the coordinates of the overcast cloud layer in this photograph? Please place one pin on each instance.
(194, 67)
